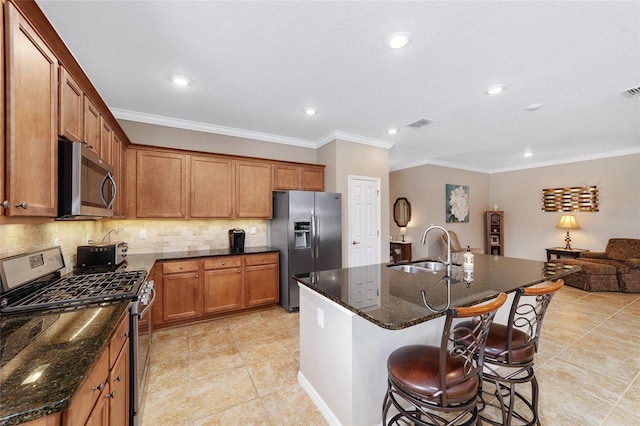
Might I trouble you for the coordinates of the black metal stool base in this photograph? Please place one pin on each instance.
(507, 396)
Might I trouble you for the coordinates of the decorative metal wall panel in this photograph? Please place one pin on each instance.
(575, 199)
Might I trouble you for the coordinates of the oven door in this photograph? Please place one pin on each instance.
(141, 348)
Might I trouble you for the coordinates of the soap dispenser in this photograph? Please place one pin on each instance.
(467, 264)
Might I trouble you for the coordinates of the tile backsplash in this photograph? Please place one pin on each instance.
(161, 235)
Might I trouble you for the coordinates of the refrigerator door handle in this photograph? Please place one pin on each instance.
(313, 235)
(317, 237)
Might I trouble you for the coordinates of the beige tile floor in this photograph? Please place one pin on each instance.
(242, 370)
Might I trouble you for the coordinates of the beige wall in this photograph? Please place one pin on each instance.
(424, 187)
(344, 159)
(528, 230)
(170, 137)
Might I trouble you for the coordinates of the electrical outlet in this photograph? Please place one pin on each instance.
(143, 234)
(320, 318)
(252, 230)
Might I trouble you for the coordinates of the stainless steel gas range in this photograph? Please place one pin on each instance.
(33, 282)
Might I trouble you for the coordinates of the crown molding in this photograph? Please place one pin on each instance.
(350, 137)
(208, 128)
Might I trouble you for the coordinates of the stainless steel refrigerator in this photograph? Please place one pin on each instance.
(307, 229)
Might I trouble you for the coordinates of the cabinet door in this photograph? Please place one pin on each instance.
(211, 187)
(92, 125)
(181, 296)
(286, 177)
(161, 185)
(71, 120)
(261, 279)
(223, 290)
(119, 389)
(106, 136)
(157, 316)
(31, 120)
(91, 393)
(118, 174)
(312, 178)
(253, 189)
(99, 416)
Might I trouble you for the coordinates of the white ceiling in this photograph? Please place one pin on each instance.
(256, 65)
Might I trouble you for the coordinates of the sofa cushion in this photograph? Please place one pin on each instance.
(590, 266)
(623, 248)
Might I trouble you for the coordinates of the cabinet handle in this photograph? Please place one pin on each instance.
(125, 334)
(196, 275)
(262, 259)
(100, 387)
(23, 204)
(223, 263)
(111, 395)
(182, 267)
(6, 204)
(118, 379)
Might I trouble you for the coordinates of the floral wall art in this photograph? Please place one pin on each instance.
(457, 203)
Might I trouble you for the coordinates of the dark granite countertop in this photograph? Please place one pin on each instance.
(396, 300)
(146, 261)
(62, 347)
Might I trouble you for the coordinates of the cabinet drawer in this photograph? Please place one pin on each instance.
(223, 262)
(179, 266)
(89, 392)
(261, 259)
(118, 340)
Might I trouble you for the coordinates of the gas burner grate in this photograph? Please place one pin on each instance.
(81, 290)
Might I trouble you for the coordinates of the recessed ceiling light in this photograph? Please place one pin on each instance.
(528, 154)
(533, 107)
(392, 131)
(180, 80)
(398, 40)
(495, 89)
(310, 111)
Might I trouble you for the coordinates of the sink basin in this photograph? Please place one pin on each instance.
(430, 265)
(410, 269)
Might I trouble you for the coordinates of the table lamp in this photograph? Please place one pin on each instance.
(403, 232)
(568, 222)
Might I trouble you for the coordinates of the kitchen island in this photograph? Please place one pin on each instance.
(352, 319)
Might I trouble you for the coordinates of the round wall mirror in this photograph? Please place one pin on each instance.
(401, 212)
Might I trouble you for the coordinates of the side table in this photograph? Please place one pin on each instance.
(400, 251)
(561, 251)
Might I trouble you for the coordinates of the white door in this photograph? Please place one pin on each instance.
(364, 221)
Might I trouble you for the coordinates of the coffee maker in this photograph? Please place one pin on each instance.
(236, 240)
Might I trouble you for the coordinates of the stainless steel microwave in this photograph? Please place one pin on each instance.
(86, 187)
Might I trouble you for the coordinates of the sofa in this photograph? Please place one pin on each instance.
(615, 269)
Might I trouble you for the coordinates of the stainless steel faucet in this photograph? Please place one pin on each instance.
(424, 240)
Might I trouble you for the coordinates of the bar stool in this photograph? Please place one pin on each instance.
(509, 355)
(440, 385)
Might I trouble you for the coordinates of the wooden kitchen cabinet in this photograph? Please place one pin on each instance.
(118, 156)
(253, 189)
(296, 177)
(31, 126)
(180, 290)
(212, 182)
(92, 392)
(118, 396)
(106, 140)
(261, 279)
(223, 284)
(99, 416)
(92, 125)
(156, 309)
(161, 184)
(71, 114)
(50, 420)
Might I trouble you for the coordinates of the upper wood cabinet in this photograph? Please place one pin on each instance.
(92, 125)
(106, 136)
(118, 166)
(31, 120)
(298, 177)
(161, 184)
(253, 189)
(212, 182)
(71, 122)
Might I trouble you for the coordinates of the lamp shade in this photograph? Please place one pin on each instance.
(403, 230)
(568, 221)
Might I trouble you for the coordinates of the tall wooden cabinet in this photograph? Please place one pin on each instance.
(494, 232)
(71, 120)
(160, 184)
(31, 120)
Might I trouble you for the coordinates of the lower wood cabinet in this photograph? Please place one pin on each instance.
(195, 289)
(103, 398)
(180, 290)
(262, 279)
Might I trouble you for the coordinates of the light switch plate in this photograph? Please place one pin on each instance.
(320, 318)
(143, 234)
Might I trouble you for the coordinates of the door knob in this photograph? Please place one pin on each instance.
(355, 242)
